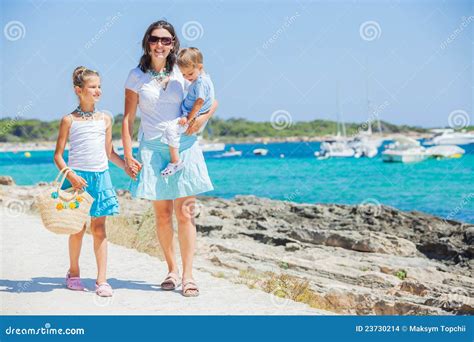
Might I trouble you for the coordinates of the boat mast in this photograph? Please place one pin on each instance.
(369, 103)
(340, 121)
(369, 118)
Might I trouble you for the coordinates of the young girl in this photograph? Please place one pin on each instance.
(90, 140)
(198, 101)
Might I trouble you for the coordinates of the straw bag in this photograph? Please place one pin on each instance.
(64, 211)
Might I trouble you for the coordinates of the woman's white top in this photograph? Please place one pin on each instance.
(157, 105)
(87, 145)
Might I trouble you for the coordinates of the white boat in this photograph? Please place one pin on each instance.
(232, 153)
(445, 151)
(365, 145)
(404, 150)
(450, 137)
(260, 151)
(210, 146)
(366, 151)
(338, 148)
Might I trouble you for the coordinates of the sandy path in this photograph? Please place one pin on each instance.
(34, 262)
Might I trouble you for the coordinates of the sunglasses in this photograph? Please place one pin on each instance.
(165, 41)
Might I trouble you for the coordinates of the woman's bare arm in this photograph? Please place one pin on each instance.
(131, 103)
(109, 147)
(132, 166)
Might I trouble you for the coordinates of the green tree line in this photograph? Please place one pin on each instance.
(22, 130)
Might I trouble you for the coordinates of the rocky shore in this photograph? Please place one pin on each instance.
(341, 258)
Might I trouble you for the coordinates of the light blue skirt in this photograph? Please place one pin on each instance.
(99, 186)
(193, 179)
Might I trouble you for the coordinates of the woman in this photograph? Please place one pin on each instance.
(156, 86)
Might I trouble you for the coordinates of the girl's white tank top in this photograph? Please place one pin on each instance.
(87, 145)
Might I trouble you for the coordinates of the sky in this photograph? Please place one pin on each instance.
(411, 59)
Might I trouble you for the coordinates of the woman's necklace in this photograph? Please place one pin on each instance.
(160, 77)
(85, 115)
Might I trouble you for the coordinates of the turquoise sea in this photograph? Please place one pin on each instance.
(440, 187)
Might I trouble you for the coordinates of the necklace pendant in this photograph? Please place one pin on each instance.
(160, 77)
(85, 115)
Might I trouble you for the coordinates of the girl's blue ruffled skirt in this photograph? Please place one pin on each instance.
(154, 155)
(99, 186)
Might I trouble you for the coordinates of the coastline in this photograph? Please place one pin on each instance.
(339, 258)
(44, 146)
(50, 145)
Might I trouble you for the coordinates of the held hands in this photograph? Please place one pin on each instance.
(76, 181)
(132, 167)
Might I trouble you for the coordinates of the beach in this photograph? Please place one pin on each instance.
(34, 263)
(336, 259)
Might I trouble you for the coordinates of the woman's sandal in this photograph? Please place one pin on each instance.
(171, 282)
(103, 290)
(190, 288)
(74, 283)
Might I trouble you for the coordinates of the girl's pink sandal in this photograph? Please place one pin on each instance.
(74, 283)
(103, 290)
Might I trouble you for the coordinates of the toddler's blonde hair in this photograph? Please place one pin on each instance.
(189, 57)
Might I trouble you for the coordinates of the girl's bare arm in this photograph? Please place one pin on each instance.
(76, 181)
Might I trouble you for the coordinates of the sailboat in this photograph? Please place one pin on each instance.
(338, 146)
(364, 143)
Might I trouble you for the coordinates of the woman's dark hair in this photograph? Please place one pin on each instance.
(145, 60)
